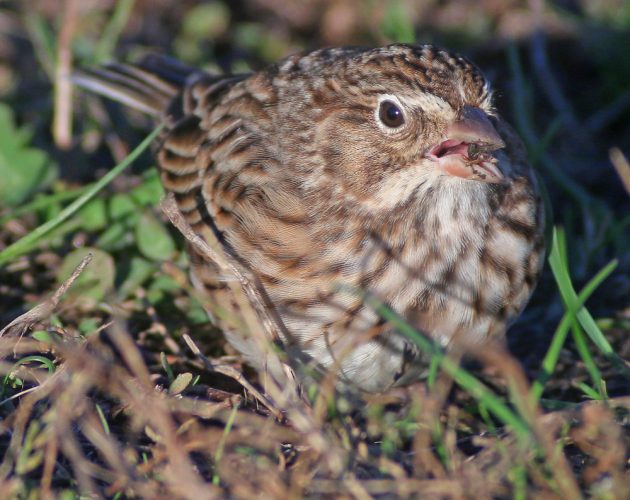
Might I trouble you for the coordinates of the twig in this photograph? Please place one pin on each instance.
(46, 308)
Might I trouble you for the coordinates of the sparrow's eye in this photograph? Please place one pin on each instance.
(390, 114)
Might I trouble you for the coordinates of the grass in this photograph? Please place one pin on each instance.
(105, 394)
(26, 243)
(558, 264)
(460, 376)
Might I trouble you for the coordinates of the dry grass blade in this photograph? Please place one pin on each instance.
(70, 422)
(620, 162)
(180, 472)
(62, 125)
(236, 375)
(512, 372)
(46, 308)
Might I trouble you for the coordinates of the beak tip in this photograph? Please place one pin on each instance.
(474, 125)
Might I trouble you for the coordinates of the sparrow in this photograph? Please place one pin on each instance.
(386, 170)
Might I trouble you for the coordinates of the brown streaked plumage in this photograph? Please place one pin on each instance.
(383, 169)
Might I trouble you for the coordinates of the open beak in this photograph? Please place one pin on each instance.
(466, 151)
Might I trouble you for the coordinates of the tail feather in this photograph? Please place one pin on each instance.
(149, 86)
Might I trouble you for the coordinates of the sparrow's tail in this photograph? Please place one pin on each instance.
(149, 85)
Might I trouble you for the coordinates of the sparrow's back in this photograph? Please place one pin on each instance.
(217, 160)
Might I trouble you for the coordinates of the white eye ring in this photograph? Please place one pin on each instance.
(389, 114)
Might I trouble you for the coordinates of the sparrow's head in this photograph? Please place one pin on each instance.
(387, 121)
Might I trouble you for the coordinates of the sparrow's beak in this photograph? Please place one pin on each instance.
(474, 126)
(466, 150)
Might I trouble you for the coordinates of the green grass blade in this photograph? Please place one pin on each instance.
(557, 261)
(103, 419)
(587, 357)
(574, 304)
(220, 447)
(26, 243)
(43, 202)
(43, 41)
(461, 377)
(105, 48)
(589, 391)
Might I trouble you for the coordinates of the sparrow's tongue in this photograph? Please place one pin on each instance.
(466, 160)
(450, 147)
